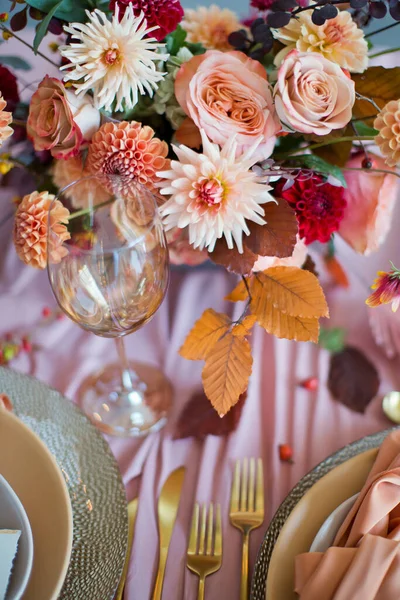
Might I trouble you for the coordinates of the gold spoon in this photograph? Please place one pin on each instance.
(391, 406)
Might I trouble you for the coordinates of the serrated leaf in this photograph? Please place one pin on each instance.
(204, 335)
(15, 62)
(278, 236)
(232, 260)
(43, 26)
(378, 83)
(279, 324)
(244, 328)
(291, 290)
(175, 40)
(226, 372)
(317, 163)
(239, 293)
(333, 339)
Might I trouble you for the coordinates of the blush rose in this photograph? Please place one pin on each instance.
(227, 93)
(59, 121)
(313, 95)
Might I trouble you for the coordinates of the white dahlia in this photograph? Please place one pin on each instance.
(213, 193)
(113, 58)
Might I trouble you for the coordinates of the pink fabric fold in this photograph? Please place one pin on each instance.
(364, 561)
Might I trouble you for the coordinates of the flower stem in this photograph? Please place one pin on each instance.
(371, 170)
(382, 29)
(18, 123)
(86, 211)
(316, 5)
(384, 52)
(12, 34)
(347, 138)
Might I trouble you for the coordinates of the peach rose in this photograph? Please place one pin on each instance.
(228, 93)
(370, 201)
(297, 259)
(313, 94)
(59, 121)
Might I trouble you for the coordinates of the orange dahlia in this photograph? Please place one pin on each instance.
(129, 150)
(31, 228)
(388, 139)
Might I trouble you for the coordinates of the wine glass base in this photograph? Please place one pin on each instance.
(133, 413)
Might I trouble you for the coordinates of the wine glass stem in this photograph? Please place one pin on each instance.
(126, 370)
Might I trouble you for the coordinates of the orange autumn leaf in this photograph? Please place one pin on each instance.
(244, 328)
(292, 290)
(281, 325)
(227, 371)
(204, 335)
(239, 293)
(336, 271)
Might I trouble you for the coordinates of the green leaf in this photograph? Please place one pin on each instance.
(364, 129)
(316, 163)
(70, 11)
(42, 29)
(195, 48)
(15, 62)
(286, 143)
(332, 340)
(175, 40)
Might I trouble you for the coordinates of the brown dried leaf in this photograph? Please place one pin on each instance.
(226, 372)
(336, 154)
(291, 290)
(309, 265)
(199, 419)
(278, 236)
(239, 293)
(378, 83)
(204, 335)
(353, 380)
(232, 260)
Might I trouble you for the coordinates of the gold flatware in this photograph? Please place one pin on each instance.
(247, 508)
(132, 512)
(205, 558)
(168, 504)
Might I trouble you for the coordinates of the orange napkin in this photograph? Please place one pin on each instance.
(364, 561)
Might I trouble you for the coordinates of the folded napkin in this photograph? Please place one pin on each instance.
(8, 549)
(364, 561)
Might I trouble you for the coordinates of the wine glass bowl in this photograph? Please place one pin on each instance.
(110, 279)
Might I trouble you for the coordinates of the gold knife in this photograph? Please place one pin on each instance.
(132, 511)
(168, 504)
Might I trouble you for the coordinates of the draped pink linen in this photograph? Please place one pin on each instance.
(276, 411)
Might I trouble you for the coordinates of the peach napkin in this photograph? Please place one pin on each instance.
(364, 561)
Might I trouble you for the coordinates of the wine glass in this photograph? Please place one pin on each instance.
(110, 277)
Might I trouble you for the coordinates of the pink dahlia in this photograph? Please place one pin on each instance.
(164, 14)
(319, 206)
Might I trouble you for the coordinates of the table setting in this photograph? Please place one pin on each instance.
(199, 336)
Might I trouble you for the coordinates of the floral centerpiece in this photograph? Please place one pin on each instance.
(255, 137)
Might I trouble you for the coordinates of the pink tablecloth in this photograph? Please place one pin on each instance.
(276, 411)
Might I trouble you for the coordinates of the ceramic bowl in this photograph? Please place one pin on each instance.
(13, 516)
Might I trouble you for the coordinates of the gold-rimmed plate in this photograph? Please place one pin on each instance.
(264, 563)
(93, 480)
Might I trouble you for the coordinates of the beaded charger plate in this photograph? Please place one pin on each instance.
(100, 520)
(259, 580)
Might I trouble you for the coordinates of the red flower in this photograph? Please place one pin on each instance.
(319, 206)
(166, 14)
(261, 4)
(9, 88)
(387, 289)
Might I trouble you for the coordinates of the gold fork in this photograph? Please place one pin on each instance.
(247, 508)
(205, 558)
